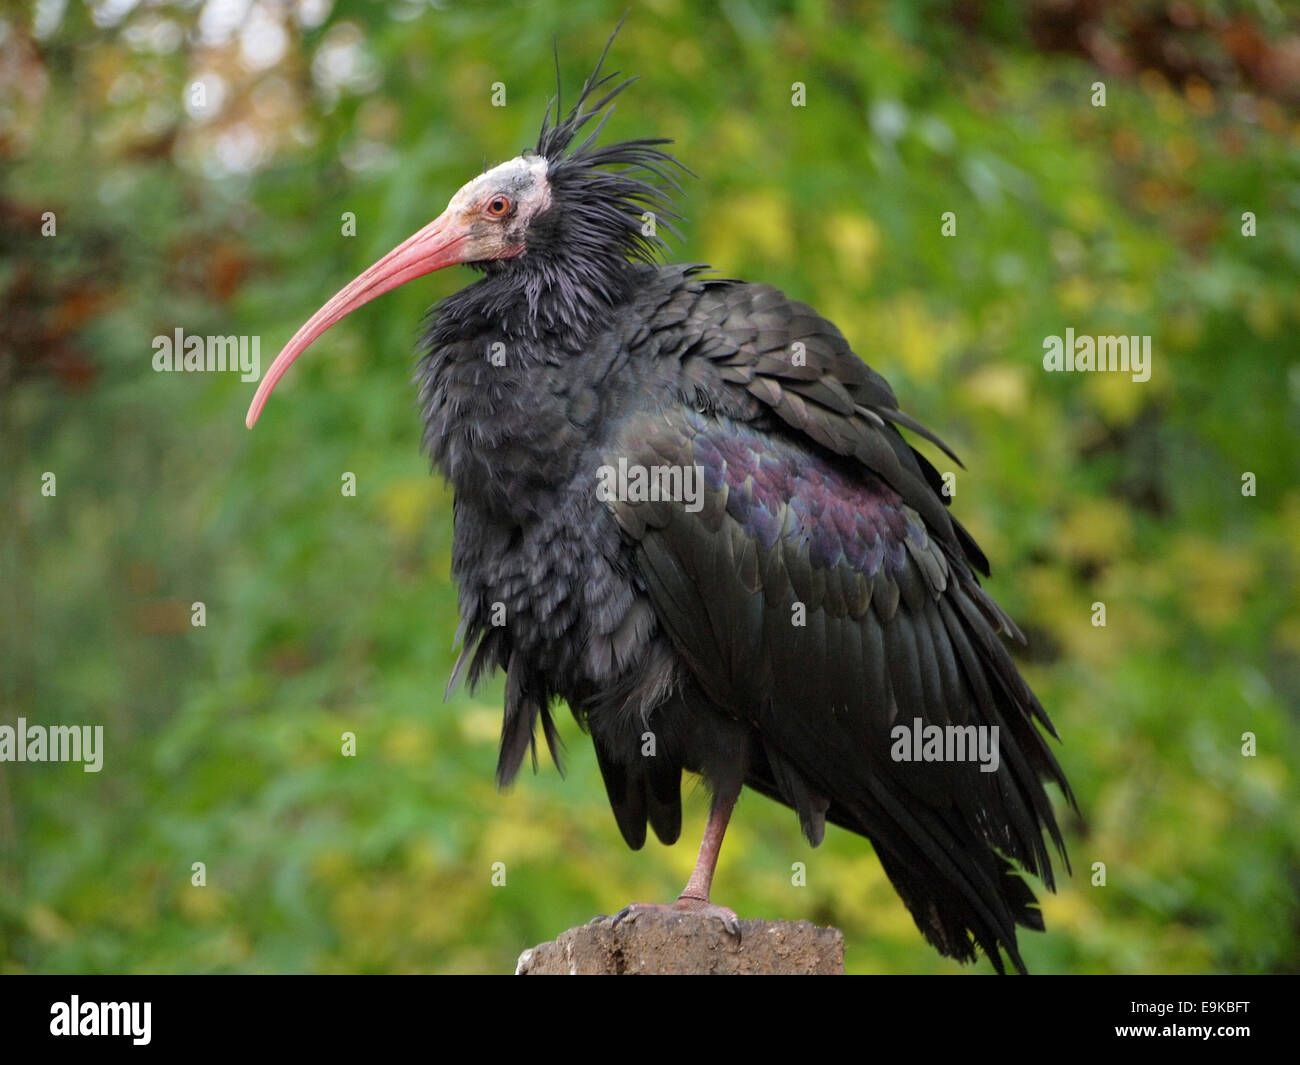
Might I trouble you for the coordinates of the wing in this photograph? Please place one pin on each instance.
(750, 351)
(816, 586)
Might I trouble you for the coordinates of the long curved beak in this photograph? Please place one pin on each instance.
(437, 245)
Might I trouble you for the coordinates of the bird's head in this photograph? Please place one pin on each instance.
(564, 220)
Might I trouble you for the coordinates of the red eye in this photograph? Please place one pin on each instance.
(498, 206)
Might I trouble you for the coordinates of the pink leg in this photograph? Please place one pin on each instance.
(695, 896)
(701, 881)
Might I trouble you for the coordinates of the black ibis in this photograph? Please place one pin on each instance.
(770, 592)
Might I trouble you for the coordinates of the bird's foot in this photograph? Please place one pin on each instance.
(685, 904)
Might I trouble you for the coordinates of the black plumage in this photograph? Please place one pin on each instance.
(576, 351)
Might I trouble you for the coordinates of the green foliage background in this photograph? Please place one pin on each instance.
(328, 614)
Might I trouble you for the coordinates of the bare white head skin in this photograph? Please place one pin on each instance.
(487, 219)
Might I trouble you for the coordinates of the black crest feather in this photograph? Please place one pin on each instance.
(609, 188)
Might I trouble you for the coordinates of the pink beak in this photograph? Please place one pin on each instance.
(435, 246)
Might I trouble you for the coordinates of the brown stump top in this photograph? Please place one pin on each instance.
(665, 943)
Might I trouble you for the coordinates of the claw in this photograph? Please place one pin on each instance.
(694, 904)
(630, 910)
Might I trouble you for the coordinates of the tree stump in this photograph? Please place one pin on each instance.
(665, 943)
